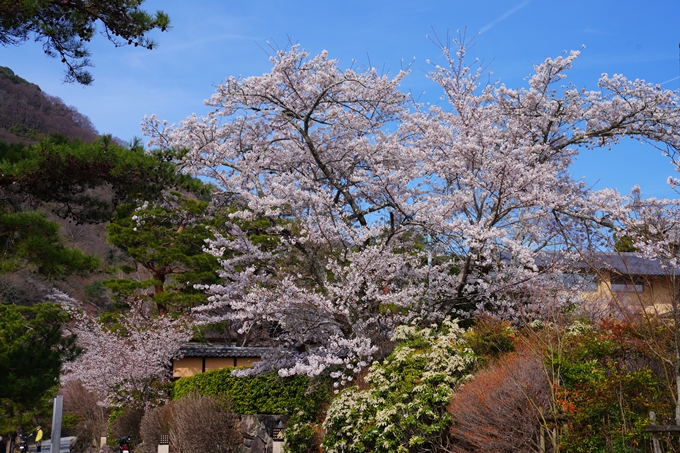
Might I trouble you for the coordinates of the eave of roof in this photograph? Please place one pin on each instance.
(623, 263)
(629, 263)
(221, 350)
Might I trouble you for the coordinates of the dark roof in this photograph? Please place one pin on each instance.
(624, 263)
(628, 263)
(221, 350)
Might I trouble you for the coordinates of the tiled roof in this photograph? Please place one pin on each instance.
(221, 350)
(628, 263)
(625, 263)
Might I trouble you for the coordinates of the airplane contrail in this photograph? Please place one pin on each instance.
(504, 16)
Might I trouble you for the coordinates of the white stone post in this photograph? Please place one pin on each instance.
(164, 443)
(56, 424)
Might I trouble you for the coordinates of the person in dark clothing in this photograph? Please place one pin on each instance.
(13, 440)
(3, 445)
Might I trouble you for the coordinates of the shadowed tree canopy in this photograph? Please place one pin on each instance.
(32, 348)
(68, 174)
(64, 26)
(166, 240)
(83, 182)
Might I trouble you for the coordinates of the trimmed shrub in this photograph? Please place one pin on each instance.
(88, 419)
(261, 394)
(298, 396)
(195, 424)
(155, 422)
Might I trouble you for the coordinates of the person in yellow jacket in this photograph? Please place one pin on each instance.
(38, 439)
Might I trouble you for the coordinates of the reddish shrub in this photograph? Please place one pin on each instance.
(498, 411)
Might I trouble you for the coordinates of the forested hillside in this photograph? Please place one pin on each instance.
(62, 188)
(28, 114)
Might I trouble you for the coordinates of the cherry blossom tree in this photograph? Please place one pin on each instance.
(127, 361)
(497, 163)
(386, 209)
(310, 147)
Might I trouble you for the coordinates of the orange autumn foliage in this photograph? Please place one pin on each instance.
(499, 409)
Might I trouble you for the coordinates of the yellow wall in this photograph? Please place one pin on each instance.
(246, 361)
(190, 366)
(187, 366)
(215, 363)
(655, 296)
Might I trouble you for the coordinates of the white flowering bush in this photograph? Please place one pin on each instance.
(404, 408)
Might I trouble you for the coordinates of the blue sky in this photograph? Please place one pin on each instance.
(212, 39)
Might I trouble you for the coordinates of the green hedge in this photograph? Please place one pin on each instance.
(262, 394)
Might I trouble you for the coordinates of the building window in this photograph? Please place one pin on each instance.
(627, 284)
(583, 282)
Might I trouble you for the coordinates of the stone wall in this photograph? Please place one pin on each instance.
(258, 430)
(259, 434)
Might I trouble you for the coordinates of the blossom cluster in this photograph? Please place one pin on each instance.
(124, 363)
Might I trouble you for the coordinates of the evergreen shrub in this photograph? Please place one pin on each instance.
(302, 398)
(404, 408)
(608, 383)
(261, 394)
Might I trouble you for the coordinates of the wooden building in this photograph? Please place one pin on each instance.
(631, 282)
(198, 358)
